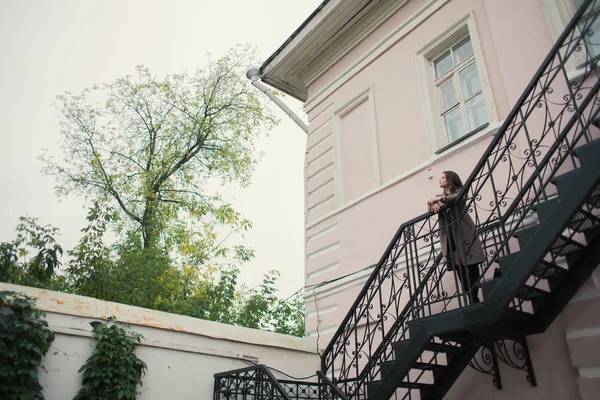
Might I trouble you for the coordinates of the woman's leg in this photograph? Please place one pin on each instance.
(468, 278)
(473, 276)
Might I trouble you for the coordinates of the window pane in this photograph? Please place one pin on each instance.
(454, 125)
(469, 81)
(463, 50)
(448, 95)
(476, 112)
(443, 64)
(591, 39)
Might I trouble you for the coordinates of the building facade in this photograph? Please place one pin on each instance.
(396, 92)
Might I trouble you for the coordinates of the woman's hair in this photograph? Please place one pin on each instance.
(454, 180)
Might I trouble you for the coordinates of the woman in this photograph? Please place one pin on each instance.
(456, 226)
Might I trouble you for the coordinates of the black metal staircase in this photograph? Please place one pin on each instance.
(535, 198)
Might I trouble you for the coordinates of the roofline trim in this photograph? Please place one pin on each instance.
(293, 35)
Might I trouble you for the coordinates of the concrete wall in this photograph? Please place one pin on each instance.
(182, 353)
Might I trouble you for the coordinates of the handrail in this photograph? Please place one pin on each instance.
(478, 167)
(522, 109)
(532, 84)
(374, 273)
(331, 386)
(260, 369)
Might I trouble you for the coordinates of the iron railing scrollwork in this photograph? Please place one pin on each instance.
(256, 383)
(535, 143)
(513, 353)
(328, 390)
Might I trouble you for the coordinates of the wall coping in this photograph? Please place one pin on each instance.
(81, 306)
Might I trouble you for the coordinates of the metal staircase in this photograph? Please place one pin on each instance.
(535, 198)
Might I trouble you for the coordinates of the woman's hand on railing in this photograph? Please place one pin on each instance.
(433, 200)
(433, 204)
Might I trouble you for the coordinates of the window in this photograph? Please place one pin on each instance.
(558, 14)
(455, 93)
(460, 96)
(593, 39)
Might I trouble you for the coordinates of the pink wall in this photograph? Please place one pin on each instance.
(555, 374)
(343, 237)
(351, 218)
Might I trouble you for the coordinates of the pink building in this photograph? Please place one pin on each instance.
(505, 93)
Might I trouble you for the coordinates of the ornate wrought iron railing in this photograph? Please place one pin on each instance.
(329, 391)
(255, 382)
(533, 145)
(258, 383)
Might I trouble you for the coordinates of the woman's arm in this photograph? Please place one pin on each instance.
(450, 197)
(434, 200)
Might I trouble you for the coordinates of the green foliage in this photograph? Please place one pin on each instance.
(262, 309)
(148, 147)
(24, 340)
(33, 257)
(127, 273)
(113, 371)
(145, 151)
(89, 268)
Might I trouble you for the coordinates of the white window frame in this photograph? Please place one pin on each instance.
(430, 102)
(558, 14)
(454, 74)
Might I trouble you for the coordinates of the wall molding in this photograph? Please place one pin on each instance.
(366, 95)
(491, 129)
(360, 278)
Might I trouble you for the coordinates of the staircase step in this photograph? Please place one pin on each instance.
(372, 386)
(399, 348)
(547, 270)
(513, 315)
(594, 198)
(506, 262)
(564, 246)
(415, 385)
(583, 221)
(443, 348)
(563, 182)
(591, 234)
(545, 209)
(587, 152)
(528, 293)
(387, 365)
(525, 236)
(428, 366)
(488, 287)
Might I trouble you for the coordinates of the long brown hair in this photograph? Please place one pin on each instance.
(454, 180)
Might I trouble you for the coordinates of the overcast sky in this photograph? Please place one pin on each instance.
(51, 46)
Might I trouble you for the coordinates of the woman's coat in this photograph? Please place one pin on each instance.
(456, 226)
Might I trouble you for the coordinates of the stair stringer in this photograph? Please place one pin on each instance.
(490, 311)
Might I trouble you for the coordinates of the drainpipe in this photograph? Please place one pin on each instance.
(254, 75)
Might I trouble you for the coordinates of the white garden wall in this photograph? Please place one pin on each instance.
(182, 353)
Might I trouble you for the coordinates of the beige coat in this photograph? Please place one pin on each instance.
(454, 226)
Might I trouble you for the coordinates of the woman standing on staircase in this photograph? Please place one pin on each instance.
(456, 226)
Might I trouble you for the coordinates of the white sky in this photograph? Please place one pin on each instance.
(51, 46)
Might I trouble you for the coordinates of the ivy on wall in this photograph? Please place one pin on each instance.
(113, 371)
(24, 340)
